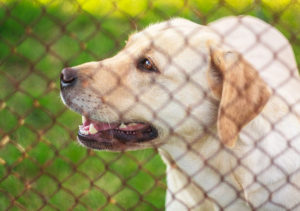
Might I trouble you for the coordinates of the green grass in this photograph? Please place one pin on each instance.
(42, 166)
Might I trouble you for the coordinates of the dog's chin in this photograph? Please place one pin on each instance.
(116, 136)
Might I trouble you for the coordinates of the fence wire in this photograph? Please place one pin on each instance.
(42, 166)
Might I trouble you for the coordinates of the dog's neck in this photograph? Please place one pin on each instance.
(193, 155)
(192, 173)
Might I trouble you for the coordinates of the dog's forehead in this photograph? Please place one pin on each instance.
(173, 26)
(170, 35)
(179, 24)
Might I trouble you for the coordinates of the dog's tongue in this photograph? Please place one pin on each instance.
(102, 126)
(99, 126)
(132, 127)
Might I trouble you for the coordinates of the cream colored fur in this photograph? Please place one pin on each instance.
(208, 168)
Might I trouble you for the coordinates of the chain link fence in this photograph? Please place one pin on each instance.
(42, 167)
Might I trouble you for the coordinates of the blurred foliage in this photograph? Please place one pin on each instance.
(41, 166)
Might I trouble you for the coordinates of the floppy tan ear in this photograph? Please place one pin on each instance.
(241, 91)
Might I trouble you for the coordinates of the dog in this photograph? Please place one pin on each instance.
(221, 102)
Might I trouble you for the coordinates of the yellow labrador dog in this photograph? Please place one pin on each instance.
(220, 102)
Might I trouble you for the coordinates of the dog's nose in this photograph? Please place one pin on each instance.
(68, 77)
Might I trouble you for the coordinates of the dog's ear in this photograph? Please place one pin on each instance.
(240, 89)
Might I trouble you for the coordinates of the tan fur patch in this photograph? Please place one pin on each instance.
(243, 93)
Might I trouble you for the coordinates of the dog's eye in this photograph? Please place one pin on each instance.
(147, 65)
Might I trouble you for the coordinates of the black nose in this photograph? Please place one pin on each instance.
(68, 77)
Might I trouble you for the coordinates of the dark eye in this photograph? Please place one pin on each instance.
(147, 65)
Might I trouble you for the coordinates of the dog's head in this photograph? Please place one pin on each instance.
(172, 80)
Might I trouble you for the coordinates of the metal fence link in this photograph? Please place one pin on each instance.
(42, 167)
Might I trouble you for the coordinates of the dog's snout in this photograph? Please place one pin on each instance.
(68, 77)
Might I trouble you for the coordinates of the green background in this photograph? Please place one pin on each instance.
(41, 165)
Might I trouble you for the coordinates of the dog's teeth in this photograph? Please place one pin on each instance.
(122, 125)
(83, 119)
(83, 131)
(132, 124)
(92, 129)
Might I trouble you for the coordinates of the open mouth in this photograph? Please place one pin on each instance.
(114, 136)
